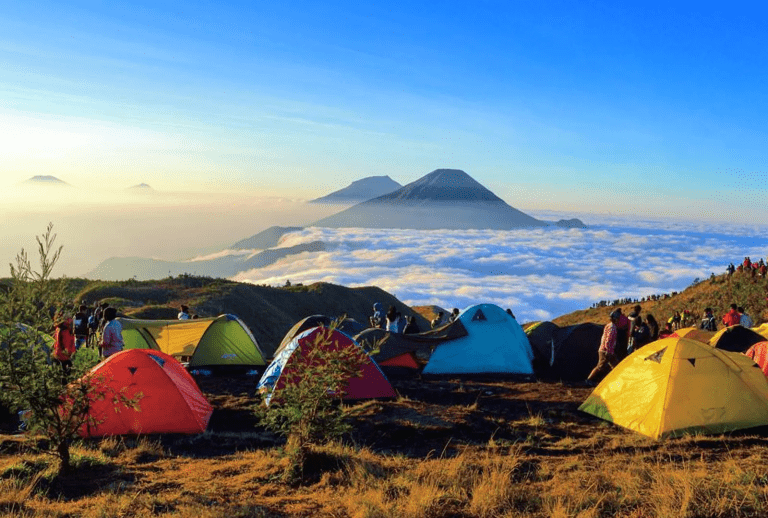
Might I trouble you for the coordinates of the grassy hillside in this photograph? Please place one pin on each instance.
(718, 293)
(268, 311)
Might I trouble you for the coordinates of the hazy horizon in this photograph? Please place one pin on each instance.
(576, 107)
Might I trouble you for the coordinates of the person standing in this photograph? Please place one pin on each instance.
(64, 346)
(622, 337)
(641, 334)
(653, 327)
(708, 322)
(732, 318)
(438, 320)
(745, 320)
(184, 313)
(80, 325)
(378, 320)
(112, 336)
(606, 353)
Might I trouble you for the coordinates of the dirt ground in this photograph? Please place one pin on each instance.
(431, 415)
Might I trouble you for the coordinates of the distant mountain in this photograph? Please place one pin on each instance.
(123, 268)
(361, 190)
(141, 187)
(268, 238)
(443, 199)
(44, 180)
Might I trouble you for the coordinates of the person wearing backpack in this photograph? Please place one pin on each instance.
(708, 322)
(80, 323)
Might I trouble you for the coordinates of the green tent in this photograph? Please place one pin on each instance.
(207, 342)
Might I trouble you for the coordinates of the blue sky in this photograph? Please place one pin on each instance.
(582, 106)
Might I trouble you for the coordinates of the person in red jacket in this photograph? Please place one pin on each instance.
(64, 345)
(733, 317)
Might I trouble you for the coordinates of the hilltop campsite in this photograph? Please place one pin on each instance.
(465, 443)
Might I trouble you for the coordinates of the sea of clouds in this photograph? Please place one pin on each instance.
(539, 273)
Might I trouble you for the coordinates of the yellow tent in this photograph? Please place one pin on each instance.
(208, 342)
(694, 333)
(676, 385)
(762, 329)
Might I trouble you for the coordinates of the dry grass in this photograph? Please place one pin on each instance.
(466, 450)
(629, 478)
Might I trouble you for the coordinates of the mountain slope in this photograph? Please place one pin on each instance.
(443, 199)
(718, 293)
(361, 190)
(268, 311)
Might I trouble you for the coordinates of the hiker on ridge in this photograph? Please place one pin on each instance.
(607, 358)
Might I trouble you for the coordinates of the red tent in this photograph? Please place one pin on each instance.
(759, 353)
(288, 365)
(170, 401)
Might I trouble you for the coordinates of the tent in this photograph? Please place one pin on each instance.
(495, 344)
(349, 326)
(575, 352)
(541, 336)
(209, 342)
(384, 345)
(762, 329)
(677, 385)
(735, 338)
(170, 400)
(694, 333)
(759, 354)
(289, 365)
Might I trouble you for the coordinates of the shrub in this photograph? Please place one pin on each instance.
(307, 410)
(54, 401)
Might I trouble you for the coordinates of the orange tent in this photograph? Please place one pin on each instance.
(170, 400)
(759, 353)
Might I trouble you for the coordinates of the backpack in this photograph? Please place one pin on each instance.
(709, 324)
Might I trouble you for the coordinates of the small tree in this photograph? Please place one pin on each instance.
(307, 408)
(54, 402)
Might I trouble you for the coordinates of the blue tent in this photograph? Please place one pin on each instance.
(495, 344)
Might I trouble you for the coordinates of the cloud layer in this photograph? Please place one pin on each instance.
(539, 274)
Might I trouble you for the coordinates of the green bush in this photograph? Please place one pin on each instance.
(308, 409)
(54, 401)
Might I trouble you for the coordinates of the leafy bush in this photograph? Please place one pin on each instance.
(54, 400)
(307, 409)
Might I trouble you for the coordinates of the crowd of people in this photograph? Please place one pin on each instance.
(626, 334)
(394, 322)
(749, 268)
(92, 327)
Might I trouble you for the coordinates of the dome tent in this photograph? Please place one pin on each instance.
(675, 386)
(495, 344)
(209, 342)
(575, 351)
(735, 339)
(170, 401)
(348, 326)
(288, 367)
(759, 353)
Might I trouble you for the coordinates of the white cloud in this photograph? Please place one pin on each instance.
(538, 273)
